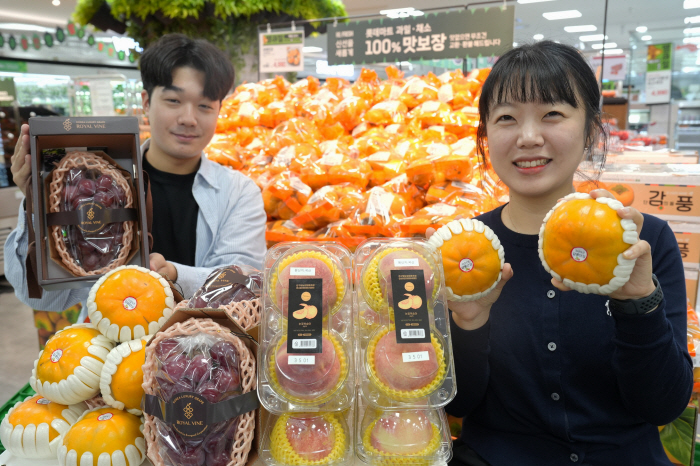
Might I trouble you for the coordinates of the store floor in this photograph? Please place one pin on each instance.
(19, 343)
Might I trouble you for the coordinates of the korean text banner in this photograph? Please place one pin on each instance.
(445, 34)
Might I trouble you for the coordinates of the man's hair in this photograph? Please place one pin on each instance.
(173, 51)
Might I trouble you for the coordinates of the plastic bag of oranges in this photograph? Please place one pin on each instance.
(391, 88)
(386, 165)
(293, 131)
(350, 110)
(387, 112)
(377, 213)
(374, 140)
(337, 231)
(420, 89)
(412, 194)
(224, 150)
(327, 205)
(430, 216)
(285, 195)
(279, 231)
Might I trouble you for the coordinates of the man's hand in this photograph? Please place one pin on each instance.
(163, 267)
(21, 167)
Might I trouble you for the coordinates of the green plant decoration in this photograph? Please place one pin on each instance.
(229, 24)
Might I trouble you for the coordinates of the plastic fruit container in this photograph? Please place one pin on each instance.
(404, 345)
(402, 436)
(314, 438)
(306, 339)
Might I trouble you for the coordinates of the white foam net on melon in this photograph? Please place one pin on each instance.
(32, 441)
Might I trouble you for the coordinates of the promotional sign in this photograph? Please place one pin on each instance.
(614, 69)
(446, 34)
(281, 51)
(658, 79)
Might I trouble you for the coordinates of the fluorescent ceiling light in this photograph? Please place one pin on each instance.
(401, 12)
(25, 27)
(538, 37)
(584, 28)
(522, 2)
(642, 29)
(592, 37)
(515, 44)
(568, 14)
(692, 20)
(311, 49)
(691, 31)
(56, 2)
(611, 51)
(647, 37)
(689, 4)
(609, 45)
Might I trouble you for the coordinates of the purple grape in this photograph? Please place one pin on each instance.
(220, 458)
(223, 353)
(69, 194)
(74, 176)
(175, 366)
(87, 187)
(166, 347)
(198, 303)
(198, 369)
(105, 198)
(223, 380)
(209, 391)
(102, 245)
(169, 390)
(191, 457)
(121, 197)
(85, 247)
(104, 183)
(90, 261)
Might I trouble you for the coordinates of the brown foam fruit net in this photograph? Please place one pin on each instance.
(243, 438)
(247, 314)
(87, 161)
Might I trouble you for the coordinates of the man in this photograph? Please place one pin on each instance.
(204, 215)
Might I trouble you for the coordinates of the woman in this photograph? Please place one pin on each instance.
(545, 375)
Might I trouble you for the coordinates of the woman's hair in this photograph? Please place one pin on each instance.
(543, 72)
(173, 51)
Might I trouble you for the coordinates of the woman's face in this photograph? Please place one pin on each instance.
(535, 148)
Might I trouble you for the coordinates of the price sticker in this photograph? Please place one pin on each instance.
(395, 92)
(406, 262)
(381, 156)
(303, 271)
(296, 360)
(416, 357)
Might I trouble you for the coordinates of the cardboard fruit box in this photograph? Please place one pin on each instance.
(116, 140)
(688, 237)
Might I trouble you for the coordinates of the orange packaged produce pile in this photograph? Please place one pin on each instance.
(344, 162)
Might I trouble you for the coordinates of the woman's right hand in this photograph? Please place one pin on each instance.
(21, 167)
(474, 314)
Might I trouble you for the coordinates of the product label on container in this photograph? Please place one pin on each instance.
(191, 415)
(305, 315)
(303, 271)
(302, 360)
(416, 357)
(410, 306)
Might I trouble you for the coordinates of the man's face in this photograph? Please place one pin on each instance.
(182, 119)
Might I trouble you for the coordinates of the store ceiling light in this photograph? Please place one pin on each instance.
(647, 37)
(692, 20)
(689, 4)
(401, 12)
(691, 31)
(538, 37)
(609, 45)
(312, 49)
(642, 29)
(568, 14)
(592, 37)
(25, 27)
(522, 2)
(56, 2)
(584, 28)
(611, 51)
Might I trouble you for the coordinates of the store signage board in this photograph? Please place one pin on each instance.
(13, 66)
(658, 78)
(8, 93)
(445, 34)
(282, 51)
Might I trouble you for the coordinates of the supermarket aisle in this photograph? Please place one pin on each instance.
(19, 343)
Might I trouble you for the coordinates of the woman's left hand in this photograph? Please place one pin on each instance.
(640, 284)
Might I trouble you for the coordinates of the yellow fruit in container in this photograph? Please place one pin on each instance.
(581, 244)
(309, 439)
(472, 258)
(33, 428)
(104, 437)
(130, 302)
(68, 369)
(122, 376)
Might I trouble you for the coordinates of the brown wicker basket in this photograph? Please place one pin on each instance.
(243, 439)
(247, 314)
(87, 161)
